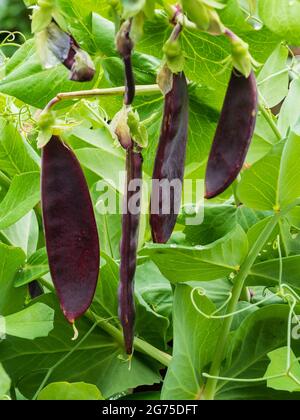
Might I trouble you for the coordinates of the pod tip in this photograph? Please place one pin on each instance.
(76, 332)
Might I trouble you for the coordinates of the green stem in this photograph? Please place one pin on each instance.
(211, 385)
(139, 345)
(4, 179)
(268, 117)
(140, 90)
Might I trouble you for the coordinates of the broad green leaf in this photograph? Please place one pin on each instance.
(278, 366)
(29, 82)
(259, 185)
(263, 140)
(23, 195)
(218, 222)
(64, 391)
(247, 217)
(15, 158)
(288, 184)
(132, 7)
(33, 322)
(24, 233)
(154, 289)
(81, 22)
(81, 136)
(201, 263)
(193, 347)
(99, 360)
(267, 273)
(273, 79)
(282, 17)
(11, 299)
(261, 332)
(35, 267)
(294, 217)
(290, 111)
(4, 382)
(144, 396)
(104, 164)
(257, 391)
(108, 220)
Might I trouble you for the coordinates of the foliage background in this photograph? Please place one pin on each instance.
(14, 16)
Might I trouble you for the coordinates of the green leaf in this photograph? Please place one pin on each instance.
(104, 164)
(4, 382)
(278, 366)
(273, 79)
(63, 391)
(256, 391)
(281, 17)
(15, 158)
(108, 222)
(33, 322)
(36, 266)
(11, 299)
(288, 185)
(132, 7)
(23, 234)
(99, 360)
(23, 195)
(261, 332)
(28, 81)
(259, 185)
(290, 111)
(267, 273)
(201, 263)
(193, 347)
(218, 222)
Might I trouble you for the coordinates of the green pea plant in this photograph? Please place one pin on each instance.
(101, 299)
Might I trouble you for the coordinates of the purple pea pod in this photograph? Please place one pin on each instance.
(234, 134)
(62, 48)
(129, 244)
(70, 229)
(169, 164)
(125, 47)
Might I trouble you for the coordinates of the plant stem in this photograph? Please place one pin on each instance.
(270, 121)
(4, 179)
(211, 385)
(140, 90)
(139, 345)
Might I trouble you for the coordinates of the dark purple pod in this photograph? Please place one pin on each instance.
(234, 134)
(129, 244)
(35, 289)
(70, 229)
(125, 47)
(169, 164)
(67, 51)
